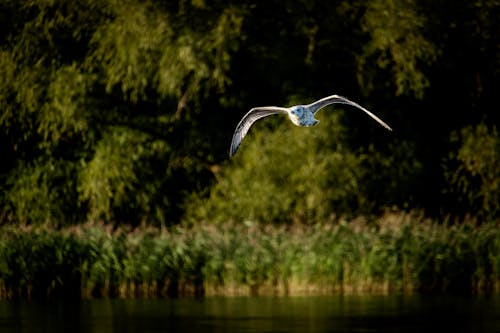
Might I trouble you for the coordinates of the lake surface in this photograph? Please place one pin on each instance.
(258, 314)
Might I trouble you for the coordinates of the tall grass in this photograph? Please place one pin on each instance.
(399, 253)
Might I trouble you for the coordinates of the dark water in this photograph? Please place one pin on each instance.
(261, 314)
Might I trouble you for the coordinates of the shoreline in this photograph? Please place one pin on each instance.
(398, 253)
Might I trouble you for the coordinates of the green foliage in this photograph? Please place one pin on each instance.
(110, 177)
(40, 263)
(473, 169)
(397, 43)
(93, 85)
(287, 174)
(123, 110)
(397, 253)
(126, 49)
(65, 115)
(42, 192)
(203, 58)
(308, 175)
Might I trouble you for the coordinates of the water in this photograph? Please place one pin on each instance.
(259, 314)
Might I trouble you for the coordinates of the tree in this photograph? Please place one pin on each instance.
(101, 89)
(473, 171)
(123, 110)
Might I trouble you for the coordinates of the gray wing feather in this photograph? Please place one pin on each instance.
(316, 106)
(246, 122)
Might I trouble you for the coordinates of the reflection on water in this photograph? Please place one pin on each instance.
(259, 314)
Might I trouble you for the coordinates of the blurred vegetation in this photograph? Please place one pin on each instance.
(474, 170)
(123, 111)
(401, 253)
(266, 184)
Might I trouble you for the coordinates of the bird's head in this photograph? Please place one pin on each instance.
(300, 115)
(297, 110)
(296, 114)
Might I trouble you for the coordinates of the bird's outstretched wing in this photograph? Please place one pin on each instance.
(316, 106)
(244, 125)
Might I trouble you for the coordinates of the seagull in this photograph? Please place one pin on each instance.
(300, 115)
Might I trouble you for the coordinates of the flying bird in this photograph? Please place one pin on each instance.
(300, 115)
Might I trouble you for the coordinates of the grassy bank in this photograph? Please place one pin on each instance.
(399, 253)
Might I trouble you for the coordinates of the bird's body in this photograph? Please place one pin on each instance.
(300, 115)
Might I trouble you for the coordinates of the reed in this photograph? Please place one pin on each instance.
(398, 253)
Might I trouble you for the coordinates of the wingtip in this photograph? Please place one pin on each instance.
(232, 151)
(235, 144)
